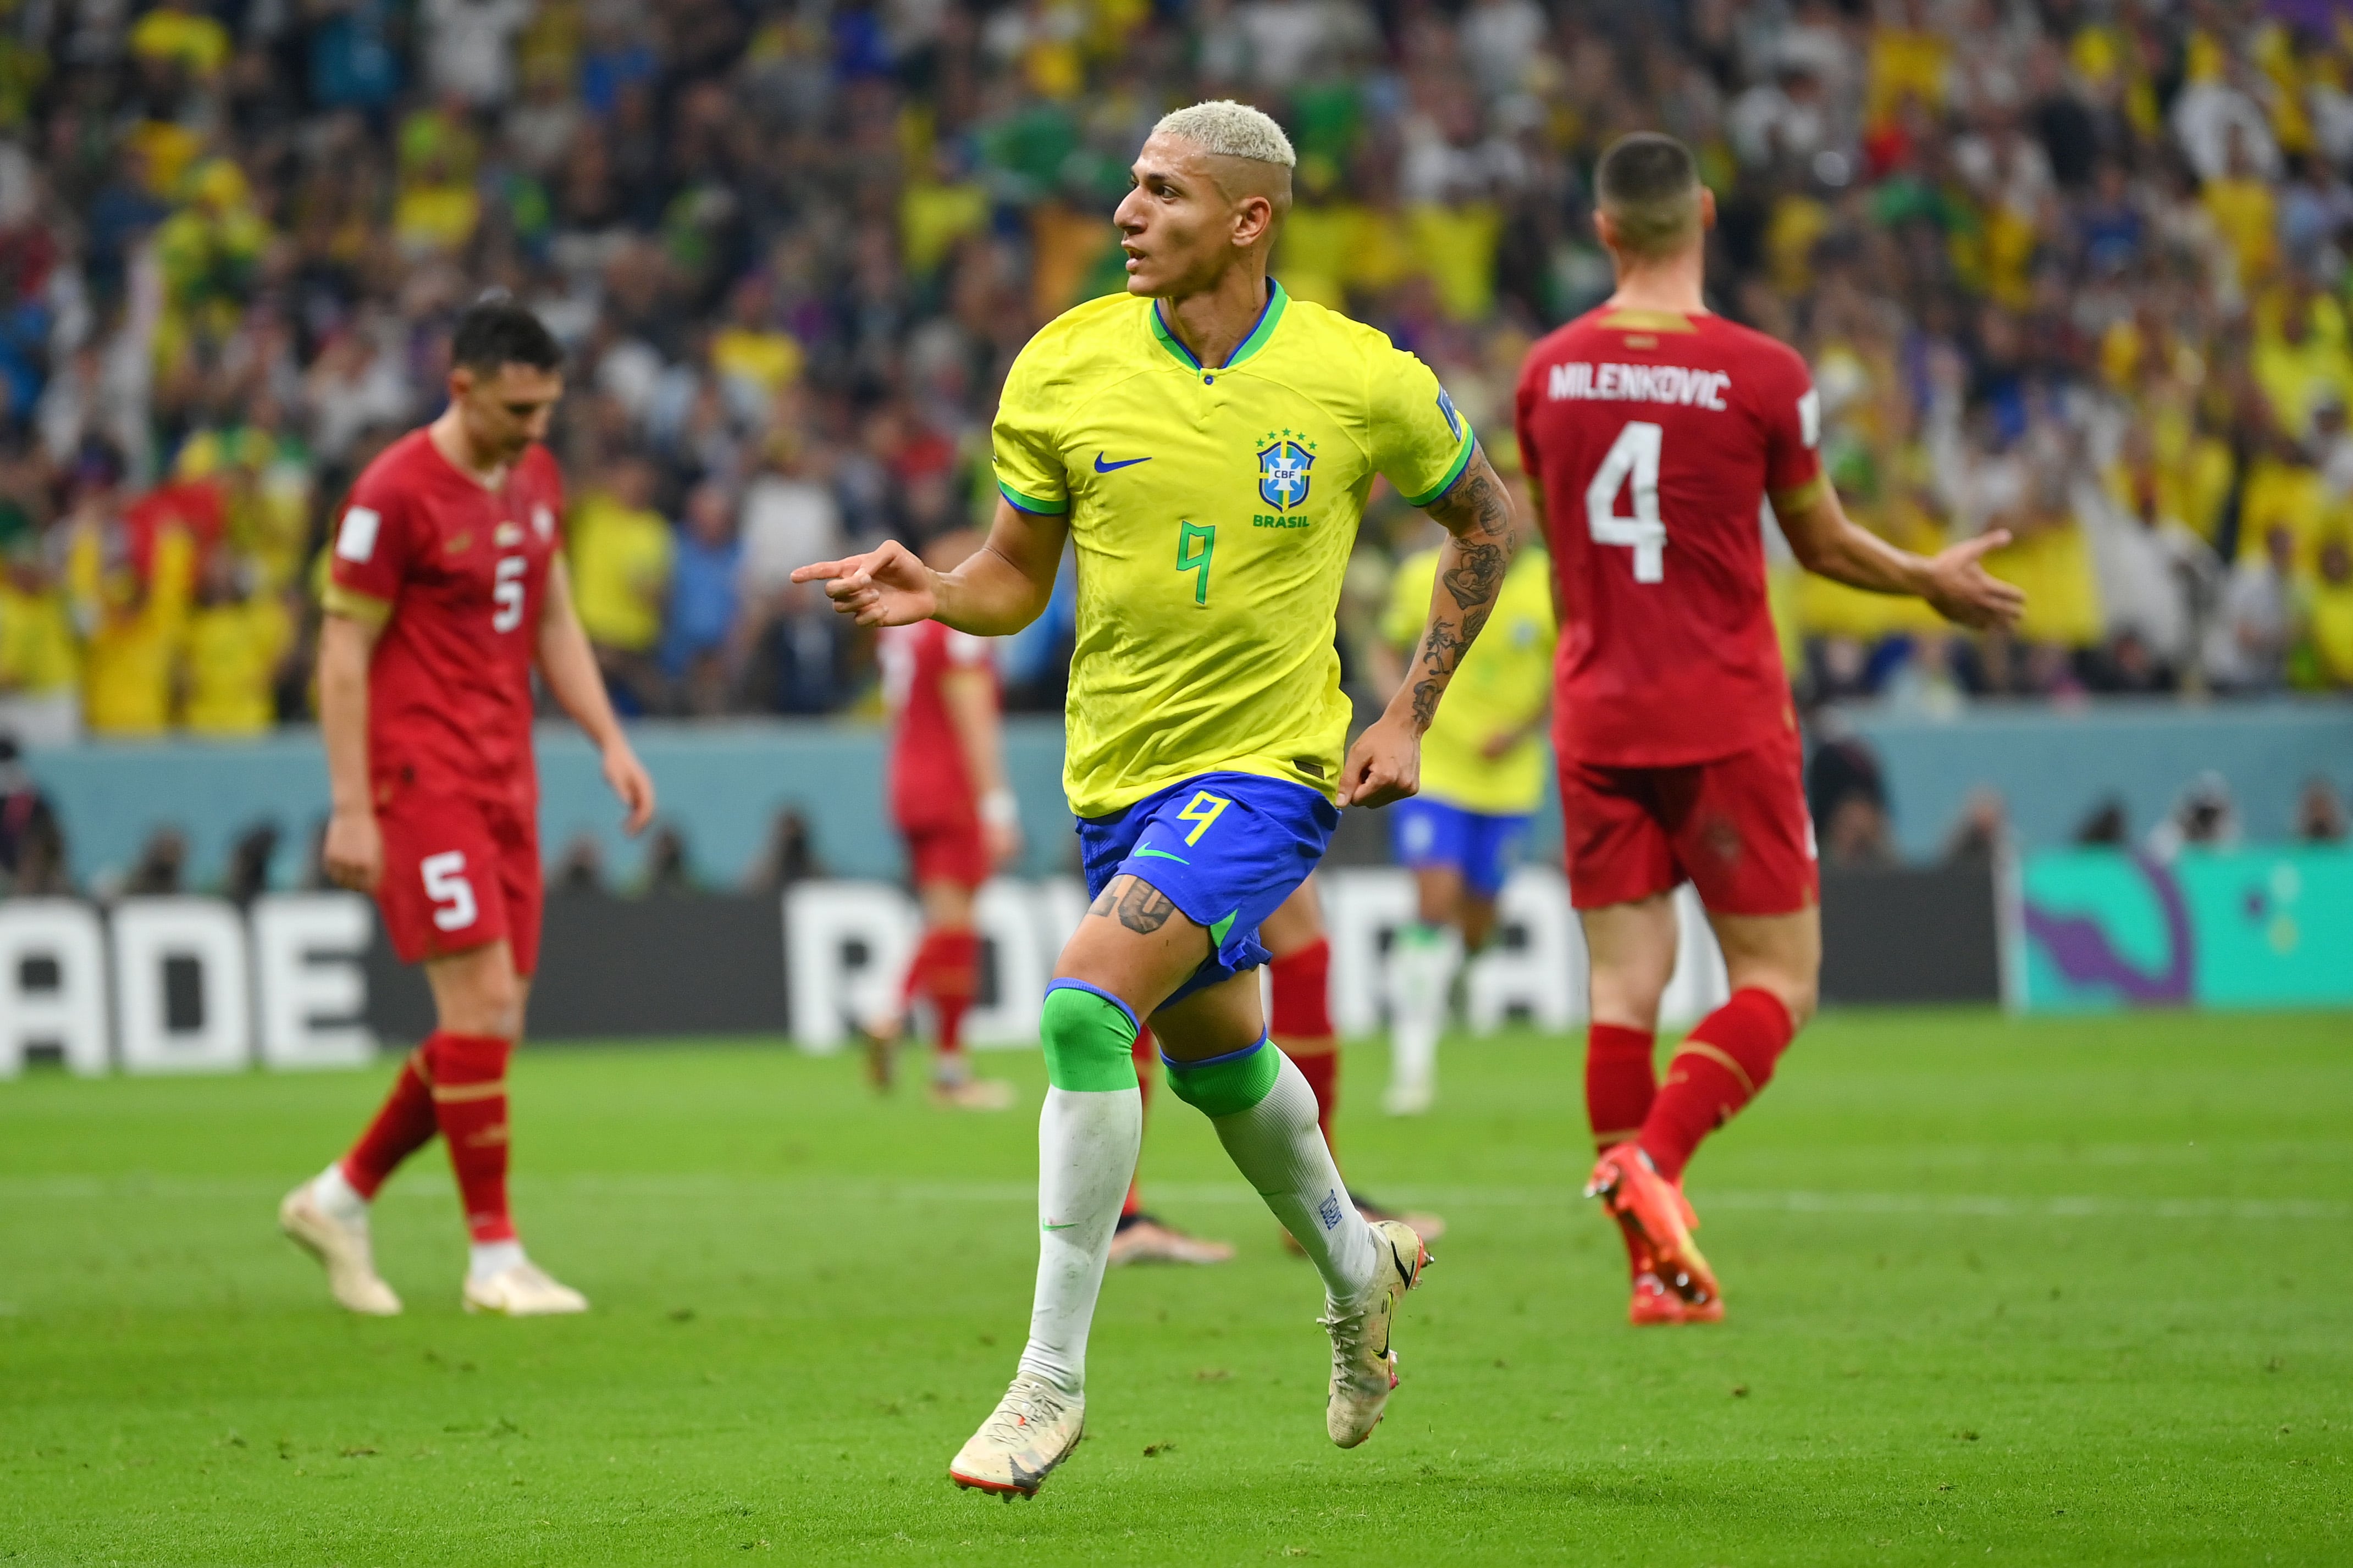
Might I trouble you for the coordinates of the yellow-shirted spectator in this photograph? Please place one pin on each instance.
(620, 552)
(1910, 61)
(41, 657)
(175, 32)
(436, 216)
(2185, 473)
(2284, 491)
(209, 250)
(936, 213)
(265, 485)
(550, 44)
(2246, 214)
(2006, 247)
(750, 352)
(2274, 52)
(2050, 560)
(1455, 246)
(2300, 356)
(134, 630)
(231, 654)
(1384, 253)
(1797, 221)
(1315, 252)
(2329, 612)
(162, 151)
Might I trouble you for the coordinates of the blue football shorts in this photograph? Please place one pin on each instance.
(1225, 848)
(1480, 845)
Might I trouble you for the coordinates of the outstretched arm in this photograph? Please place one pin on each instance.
(1001, 588)
(1954, 582)
(353, 852)
(971, 697)
(568, 665)
(1385, 765)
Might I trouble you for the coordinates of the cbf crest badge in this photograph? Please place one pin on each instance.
(1282, 465)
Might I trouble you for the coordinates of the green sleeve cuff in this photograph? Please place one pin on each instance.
(1033, 505)
(1462, 461)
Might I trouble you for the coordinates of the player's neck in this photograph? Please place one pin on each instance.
(1212, 323)
(447, 434)
(1673, 284)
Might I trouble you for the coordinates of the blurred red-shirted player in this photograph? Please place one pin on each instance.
(1653, 433)
(949, 799)
(446, 593)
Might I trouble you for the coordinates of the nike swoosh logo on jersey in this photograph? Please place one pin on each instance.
(1150, 854)
(1103, 468)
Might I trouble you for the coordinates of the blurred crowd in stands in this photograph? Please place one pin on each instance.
(2074, 268)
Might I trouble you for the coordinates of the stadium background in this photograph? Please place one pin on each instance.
(2058, 1286)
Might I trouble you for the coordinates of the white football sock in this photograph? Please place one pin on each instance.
(1422, 961)
(1278, 1146)
(1087, 1144)
(337, 1198)
(485, 1258)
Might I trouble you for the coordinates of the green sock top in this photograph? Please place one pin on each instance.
(1089, 1037)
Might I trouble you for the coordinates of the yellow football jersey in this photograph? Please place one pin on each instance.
(1504, 683)
(1213, 510)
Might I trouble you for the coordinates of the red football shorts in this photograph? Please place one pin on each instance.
(948, 852)
(459, 873)
(1735, 828)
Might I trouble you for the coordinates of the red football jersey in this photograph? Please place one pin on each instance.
(1656, 438)
(463, 570)
(931, 786)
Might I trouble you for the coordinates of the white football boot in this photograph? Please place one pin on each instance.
(1364, 1363)
(343, 1248)
(1033, 1428)
(1412, 1099)
(523, 1290)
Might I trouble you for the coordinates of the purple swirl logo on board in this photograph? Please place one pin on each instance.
(2081, 950)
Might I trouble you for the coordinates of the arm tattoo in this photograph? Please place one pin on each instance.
(1477, 513)
(1139, 906)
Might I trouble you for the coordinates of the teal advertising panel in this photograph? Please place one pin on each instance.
(2095, 929)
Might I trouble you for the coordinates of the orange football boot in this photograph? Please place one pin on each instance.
(1653, 1210)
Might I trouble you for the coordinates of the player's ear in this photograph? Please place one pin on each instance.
(1605, 229)
(1253, 216)
(461, 381)
(1706, 209)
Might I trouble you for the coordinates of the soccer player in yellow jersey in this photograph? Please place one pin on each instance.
(1483, 772)
(1207, 444)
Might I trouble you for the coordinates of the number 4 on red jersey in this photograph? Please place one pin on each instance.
(1654, 438)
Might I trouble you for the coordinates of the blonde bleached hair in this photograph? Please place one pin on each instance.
(1229, 130)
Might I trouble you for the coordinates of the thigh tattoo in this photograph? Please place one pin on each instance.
(1140, 907)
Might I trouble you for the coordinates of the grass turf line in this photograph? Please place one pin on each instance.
(2063, 1291)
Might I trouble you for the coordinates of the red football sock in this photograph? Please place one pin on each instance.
(1620, 1081)
(1322, 1071)
(469, 1100)
(1147, 1058)
(1300, 1022)
(1302, 984)
(403, 1125)
(1723, 1064)
(951, 978)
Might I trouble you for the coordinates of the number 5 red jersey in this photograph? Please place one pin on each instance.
(456, 575)
(1655, 438)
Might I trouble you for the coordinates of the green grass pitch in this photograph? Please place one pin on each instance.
(2050, 1291)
